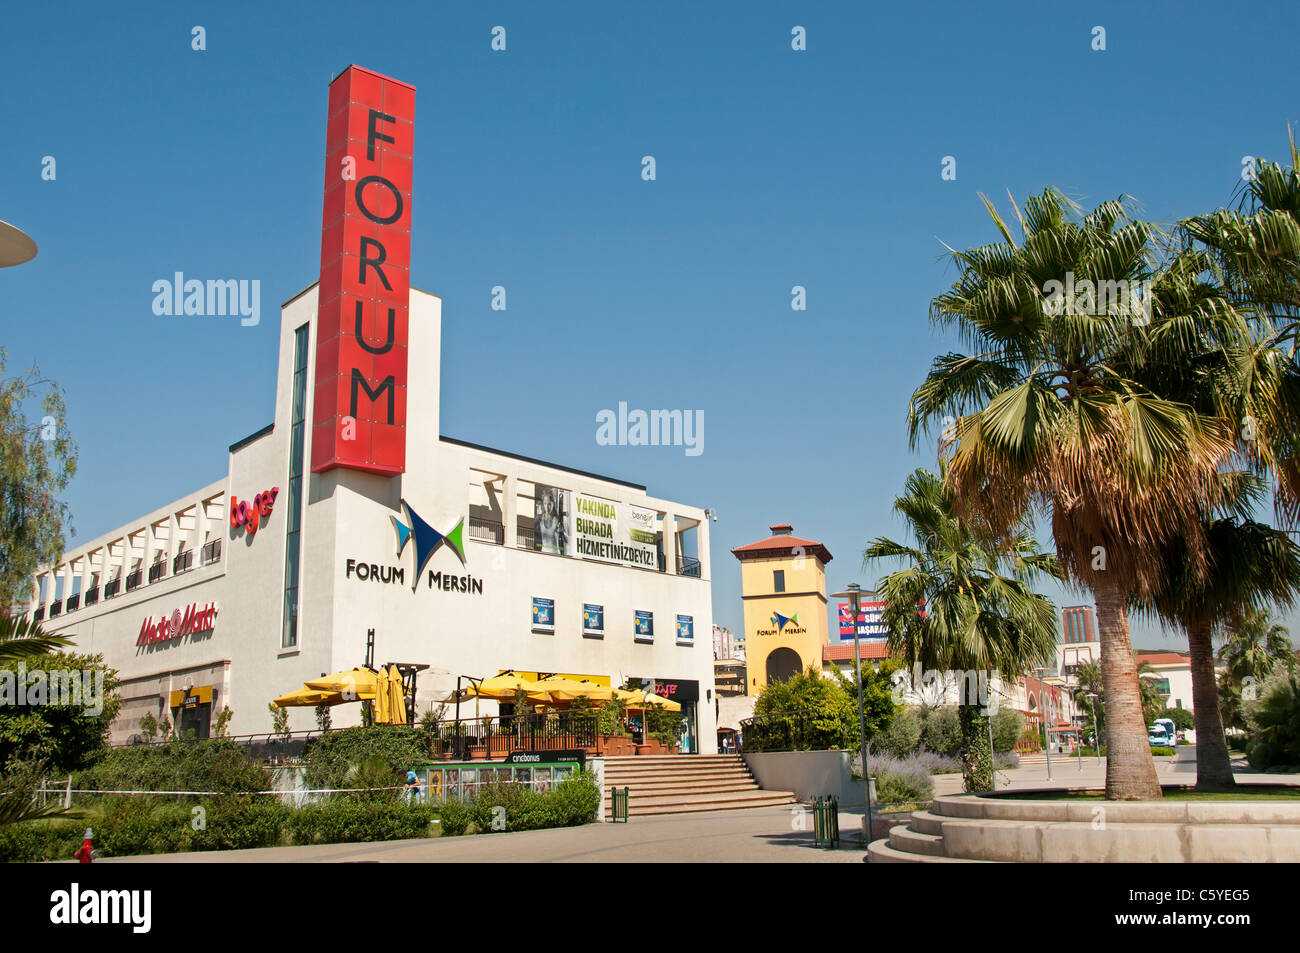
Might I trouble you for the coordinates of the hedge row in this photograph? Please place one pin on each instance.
(123, 827)
(512, 807)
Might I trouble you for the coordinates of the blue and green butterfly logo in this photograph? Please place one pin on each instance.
(427, 539)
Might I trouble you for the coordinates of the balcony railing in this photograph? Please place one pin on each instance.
(157, 571)
(112, 587)
(39, 614)
(212, 552)
(524, 537)
(183, 562)
(688, 566)
(74, 602)
(92, 595)
(488, 531)
(56, 608)
(134, 579)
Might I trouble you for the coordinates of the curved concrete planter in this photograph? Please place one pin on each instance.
(976, 827)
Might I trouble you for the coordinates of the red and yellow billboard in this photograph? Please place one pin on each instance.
(359, 417)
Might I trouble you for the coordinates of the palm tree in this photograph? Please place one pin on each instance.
(1254, 253)
(1248, 563)
(1254, 644)
(1048, 416)
(980, 614)
(22, 639)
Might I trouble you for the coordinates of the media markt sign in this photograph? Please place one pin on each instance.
(168, 629)
(425, 541)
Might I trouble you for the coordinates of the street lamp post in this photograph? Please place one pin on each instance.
(1096, 736)
(853, 592)
(1047, 731)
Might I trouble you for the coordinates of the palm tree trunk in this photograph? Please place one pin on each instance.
(976, 756)
(1130, 769)
(1213, 763)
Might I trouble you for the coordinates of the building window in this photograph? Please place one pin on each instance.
(778, 580)
(289, 633)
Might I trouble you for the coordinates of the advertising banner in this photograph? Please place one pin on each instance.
(869, 624)
(644, 626)
(615, 532)
(552, 520)
(685, 628)
(543, 615)
(593, 620)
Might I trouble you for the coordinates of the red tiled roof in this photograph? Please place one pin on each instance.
(782, 543)
(1157, 657)
(842, 653)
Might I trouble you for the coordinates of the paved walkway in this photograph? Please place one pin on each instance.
(754, 835)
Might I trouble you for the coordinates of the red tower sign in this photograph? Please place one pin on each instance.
(359, 417)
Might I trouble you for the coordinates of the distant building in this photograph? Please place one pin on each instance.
(1172, 672)
(728, 663)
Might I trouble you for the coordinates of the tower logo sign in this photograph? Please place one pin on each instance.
(359, 417)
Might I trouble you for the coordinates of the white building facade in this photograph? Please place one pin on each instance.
(274, 574)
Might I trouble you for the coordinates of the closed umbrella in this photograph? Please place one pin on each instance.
(503, 688)
(396, 699)
(381, 697)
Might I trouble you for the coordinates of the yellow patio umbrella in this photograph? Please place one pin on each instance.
(503, 688)
(358, 682)
(307, 697)
(640, 700)
(396, 698)
(567, 689)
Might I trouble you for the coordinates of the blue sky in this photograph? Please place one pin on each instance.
(774, 168)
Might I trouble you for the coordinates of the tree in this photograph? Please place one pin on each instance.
(1248, 562)
(1254, 643)
(1049, 416)
(981, 616)
(806, 712)
(62, 716)
(21, 640)
(37, 460)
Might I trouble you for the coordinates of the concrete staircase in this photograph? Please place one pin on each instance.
(680, 784)
(920, 841)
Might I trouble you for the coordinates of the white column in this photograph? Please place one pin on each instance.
(669, 524)
(510, 511)
(702, 542)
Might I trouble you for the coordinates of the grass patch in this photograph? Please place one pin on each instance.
(1253, 792)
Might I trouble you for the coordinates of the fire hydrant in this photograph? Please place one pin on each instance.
(86, 853)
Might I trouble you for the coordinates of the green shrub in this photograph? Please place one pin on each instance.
(216, 764)
(514, 807)
(330, 757)
(1008, 724)
(903, 734)
(1182, 718)
(347, 820)
(1030, 740)
(38, 841)
(1275, 738)
(912, 783)
(1161, 751)
(942, 730)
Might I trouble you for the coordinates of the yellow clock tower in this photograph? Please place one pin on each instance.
(783, 585)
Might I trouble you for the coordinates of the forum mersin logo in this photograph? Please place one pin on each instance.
(781, 621)
(427, 539)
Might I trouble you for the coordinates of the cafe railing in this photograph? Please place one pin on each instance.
(794, 731)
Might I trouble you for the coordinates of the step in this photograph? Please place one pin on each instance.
(914, 842)
(926, 823)
(711, 785)
(646, 810)
(687, 777)
(879, 852)
(676, 797)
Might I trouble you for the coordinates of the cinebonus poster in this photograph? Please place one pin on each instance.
(615, 532)
(552, 521)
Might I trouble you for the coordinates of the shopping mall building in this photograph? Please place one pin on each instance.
(351, 512)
